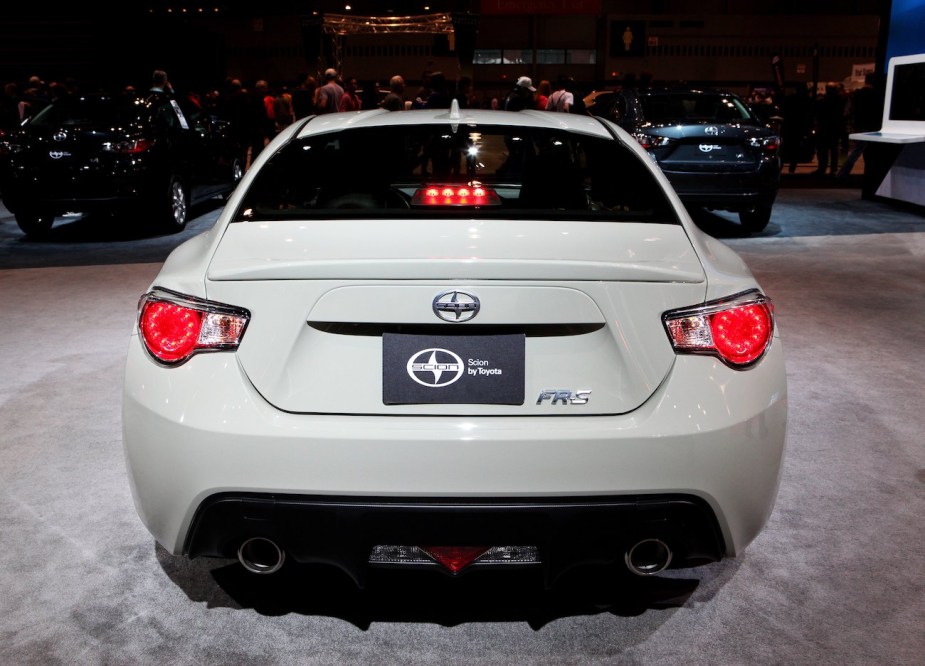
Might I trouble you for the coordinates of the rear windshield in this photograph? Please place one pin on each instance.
(101, 111)
(462, 170)
(695, 107)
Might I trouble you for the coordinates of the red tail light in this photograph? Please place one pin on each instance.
(737, 330)
(173, 327)
(130, 147)
(649, 141)
(768, 144)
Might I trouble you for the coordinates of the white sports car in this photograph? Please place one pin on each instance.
(455, 339)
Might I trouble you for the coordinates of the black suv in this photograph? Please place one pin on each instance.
(151, 156)
(715, 151)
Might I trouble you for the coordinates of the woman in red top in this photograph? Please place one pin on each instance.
(543, 91)
(349, 101)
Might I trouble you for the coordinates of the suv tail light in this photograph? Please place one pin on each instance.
(173, 327)
(129, 146)
(738, 330)
(769, 145)
(649, 141)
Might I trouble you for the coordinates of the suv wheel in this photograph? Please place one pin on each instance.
(170, 213)
(756, 218)
(35, 225)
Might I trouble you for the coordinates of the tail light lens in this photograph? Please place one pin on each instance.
(737, 330)
(769, 145)
(174, 327)
(129, 147)
(9, 147)
(649, 141)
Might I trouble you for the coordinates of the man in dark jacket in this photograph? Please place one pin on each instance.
(521, 97)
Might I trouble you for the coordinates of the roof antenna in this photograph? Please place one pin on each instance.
(454, 110)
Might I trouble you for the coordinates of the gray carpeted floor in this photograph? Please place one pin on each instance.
(836, 578)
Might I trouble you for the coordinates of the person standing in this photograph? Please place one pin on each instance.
(440, 97)
(561, 99)
(463, 94)
(395, 100)
(830, 125)
(521, 95)
(303, 98)
(262, 91)
(9, 107)
(369, 96)
(866, 116)
(283, 115)
(543, 91)
(160, 83)
(248, 117)
(327, 98)
(796, 127)
(350, 100)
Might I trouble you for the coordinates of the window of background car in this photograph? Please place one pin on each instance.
(699, 107)
(92, 110)
(388, 172)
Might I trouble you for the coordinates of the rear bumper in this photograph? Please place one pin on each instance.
(215, 453)
(343, 531)
(102, 193)
(727, 191)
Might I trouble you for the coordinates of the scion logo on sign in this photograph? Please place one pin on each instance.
(435, 367)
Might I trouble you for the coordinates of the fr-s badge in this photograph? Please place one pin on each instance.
(564, 397)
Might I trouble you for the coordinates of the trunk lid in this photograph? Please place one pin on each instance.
(342, 313)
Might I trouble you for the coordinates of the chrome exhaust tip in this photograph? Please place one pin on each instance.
(261, 556)
(648, 557)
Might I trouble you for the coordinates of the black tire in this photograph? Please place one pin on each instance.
(171, 213)
(237, 171)
(35, 225)
(755, 219)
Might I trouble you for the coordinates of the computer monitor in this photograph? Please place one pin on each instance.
(904, 103)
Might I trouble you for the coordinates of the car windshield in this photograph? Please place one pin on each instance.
(99, 111)
(455, 170)
(694, 107)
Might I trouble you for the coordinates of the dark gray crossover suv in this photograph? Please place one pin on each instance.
(152, 157)
(715, 151)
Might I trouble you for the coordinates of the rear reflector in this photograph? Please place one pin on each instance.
(454, 558)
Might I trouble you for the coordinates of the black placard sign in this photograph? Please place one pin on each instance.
(452, 369)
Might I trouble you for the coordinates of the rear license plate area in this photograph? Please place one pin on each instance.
(453, 369)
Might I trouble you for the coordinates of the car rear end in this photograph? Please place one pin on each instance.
(713, 149)
(83, 153)
(454, 342)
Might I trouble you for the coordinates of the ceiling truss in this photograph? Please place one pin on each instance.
(346, 24)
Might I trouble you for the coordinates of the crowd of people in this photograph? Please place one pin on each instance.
(818, 128)
(810, 128)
